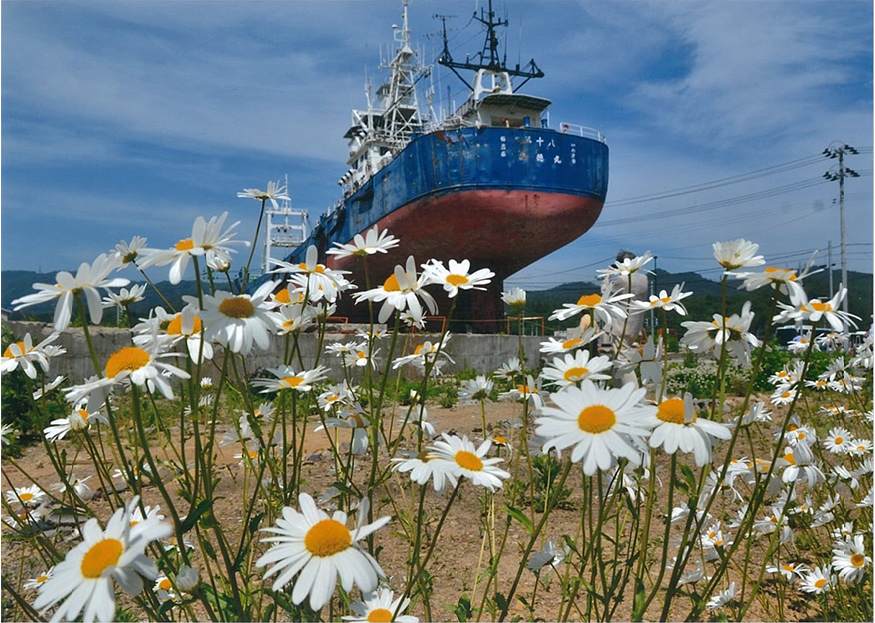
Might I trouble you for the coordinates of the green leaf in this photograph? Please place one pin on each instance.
(520, 517)
(196, 514)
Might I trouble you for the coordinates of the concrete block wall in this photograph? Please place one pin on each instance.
(483, 353)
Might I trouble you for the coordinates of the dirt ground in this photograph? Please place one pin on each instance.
(455, 561)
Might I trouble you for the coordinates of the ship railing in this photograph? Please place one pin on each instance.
(582, 130)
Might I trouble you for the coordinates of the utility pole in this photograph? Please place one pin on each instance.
(837, 150)
(829, 265)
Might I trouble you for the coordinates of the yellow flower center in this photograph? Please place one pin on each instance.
(575, 374)
(42, 579)
(672, 410)
(820, 307)
(283, 296)
(596, 419)
(327, 538)
(568, 344)
(391, 284)
(858, 560)
(469, 460)
(380, 615)
(165, 584)
(792, 427)
(457, 280)
(293, 381)
(185, 245)
(25, 496)
(237, 307)
(8, 351)
(83, 413)
(175, 326)
(525, 389)
(589, 300)
(820, 583)
(129, 358)
(790, 458)
(319, 268)
(500, 440)
(101, 556)
(789, 568)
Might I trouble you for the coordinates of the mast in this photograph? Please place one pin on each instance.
(489, 65)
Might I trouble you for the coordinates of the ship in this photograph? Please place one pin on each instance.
(491, 182)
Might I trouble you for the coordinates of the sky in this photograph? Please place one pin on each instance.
(133, 118)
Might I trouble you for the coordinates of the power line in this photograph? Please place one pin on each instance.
(714, 205)
(735, 179)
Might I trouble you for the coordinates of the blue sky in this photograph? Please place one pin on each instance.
(133, 118)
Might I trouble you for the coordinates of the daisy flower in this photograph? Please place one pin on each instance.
(314, 280)
(574, 339)
(733, 331)
(187, 578)
(318, 548)
(737, 254)
(88, 279)
(529, 390)
(34, 583)
(401, 291)
(238, 321)
(128, 252)
(130, 364)
(465, 460)
(374, 241)
(425, 352)
(601, 424)
(30, 497)
(628, 265)
(207, 240)
(378, 606)
(574, 368)
(163, 587)
(802, 310)
(78, 485)
(85, 577)
(799, 462)
(457, 276)
(6, 431)
(757, 413)
(648, 358)
(850, 558)
(477, 389)
(423, 467)
(187, 325)
(515, 298)
(80, 419)
(509, 369)
(602, 305)
(818, 581)
(292, 318)
(125, 297)
(24, 354)
(274, 191)
(287, 378)
(677, 427)
(550, 555)
(783, 279)
(790, 570)
(721, 599)
(666, 301)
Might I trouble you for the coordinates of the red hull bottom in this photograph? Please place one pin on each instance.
(503, 231)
